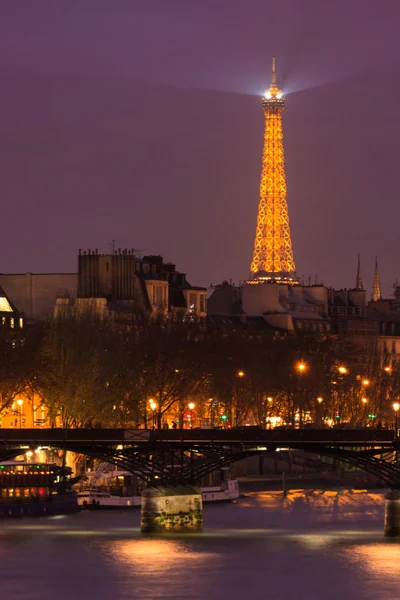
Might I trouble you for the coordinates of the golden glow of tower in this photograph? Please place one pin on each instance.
(273, 254)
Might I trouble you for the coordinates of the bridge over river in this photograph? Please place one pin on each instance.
(173, 456)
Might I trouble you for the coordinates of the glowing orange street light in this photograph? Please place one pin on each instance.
(301, 367)
(269, 399)
(364, 400)
(240, 373)
(342, 370)
(319, 400)
(191, 405)
(388, 369)
(396, 406)
(365, 382)
(20, 403)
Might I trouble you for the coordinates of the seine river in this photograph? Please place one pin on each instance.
(315, 546)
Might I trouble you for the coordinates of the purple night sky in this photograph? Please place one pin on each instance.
(141, 121)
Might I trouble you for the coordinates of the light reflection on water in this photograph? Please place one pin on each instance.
(249, 550)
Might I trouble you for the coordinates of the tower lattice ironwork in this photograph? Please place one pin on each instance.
(273, 253)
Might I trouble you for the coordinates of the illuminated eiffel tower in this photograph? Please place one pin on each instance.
(273, 254)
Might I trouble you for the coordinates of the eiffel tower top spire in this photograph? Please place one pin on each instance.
(273, 254)
(376, 287)
(273, 79)
(359, 280)
(273, 92)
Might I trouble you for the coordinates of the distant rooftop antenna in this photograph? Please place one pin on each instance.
(112, 246)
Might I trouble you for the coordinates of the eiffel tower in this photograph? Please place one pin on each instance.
(273, 254)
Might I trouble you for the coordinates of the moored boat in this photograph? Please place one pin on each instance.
(34, 489)
(108, 488)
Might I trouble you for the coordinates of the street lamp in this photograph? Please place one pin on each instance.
(364, 400)
(396, 407)
(365, 382)
(241, 374)
(153, 406)
(20, 403)
(318, 412)
(342, 370)
(301, 367)
(388, 369)
(191, 406)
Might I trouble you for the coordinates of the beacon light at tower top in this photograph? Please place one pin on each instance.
(273, 93)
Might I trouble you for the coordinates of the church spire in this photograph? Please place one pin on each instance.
(376, 288)
(359, 281)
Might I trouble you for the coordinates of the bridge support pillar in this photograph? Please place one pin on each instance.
(392, 514)
(172, 508)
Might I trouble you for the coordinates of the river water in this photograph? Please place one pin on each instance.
(312, 545)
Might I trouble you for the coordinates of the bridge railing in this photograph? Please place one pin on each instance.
(247, 435)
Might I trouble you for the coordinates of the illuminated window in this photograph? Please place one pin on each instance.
(21, 322)
(3, 320)
(202, 303)
(12, 322)
(5, 305)
(192, 302)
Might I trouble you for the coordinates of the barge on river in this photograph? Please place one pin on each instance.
(34, 489)
(110, 488)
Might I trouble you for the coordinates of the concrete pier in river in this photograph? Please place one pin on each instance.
(172, 508)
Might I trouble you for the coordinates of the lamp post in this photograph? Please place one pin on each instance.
(232, 409)
(396, 407)
(20, 403)
(191, 406)
(153, 406)
(319, 402)
(301, 368)
(364, 401)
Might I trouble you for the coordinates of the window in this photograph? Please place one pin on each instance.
(202, 303)
(192, 299)
(12, 322)
(5, 305)
(21, 322)
(158, 295)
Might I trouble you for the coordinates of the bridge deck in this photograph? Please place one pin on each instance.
(244, 435)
